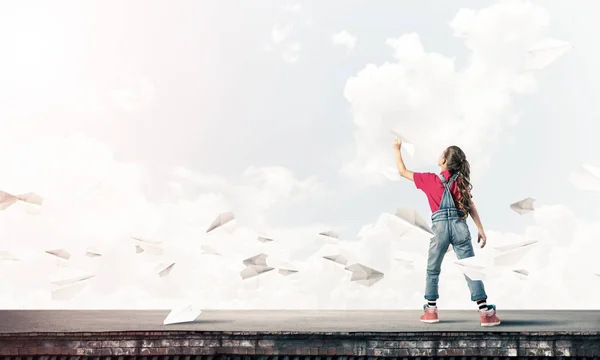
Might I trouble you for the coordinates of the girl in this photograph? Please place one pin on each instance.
(449, 195)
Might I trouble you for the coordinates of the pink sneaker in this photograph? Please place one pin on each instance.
(430, 315)
(488, 317)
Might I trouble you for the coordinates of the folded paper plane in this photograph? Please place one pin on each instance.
(545, 52)
(364, 275)
(221, 220)
(254, 270)
(7, 255)
(588, 179)
(60, 253)
(165, 269)
(412, 217)
(472, 268)
(183, 314)
(523, 206)
(406, 144)
(260, 259)
(7, 199)
(208, 250)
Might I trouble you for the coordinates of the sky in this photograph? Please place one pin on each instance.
(145, 119)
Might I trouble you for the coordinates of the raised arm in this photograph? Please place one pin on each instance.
(405, 173)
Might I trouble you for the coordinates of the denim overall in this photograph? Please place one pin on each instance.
(449, 228)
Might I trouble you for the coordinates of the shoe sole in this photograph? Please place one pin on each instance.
(431, 321)
(490, 324)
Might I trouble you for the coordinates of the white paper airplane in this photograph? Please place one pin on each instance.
(67, 292)
(208, 250)
(512, 257)
(472, 268)
(221, 220)
(7, 255)
(165, 269)
(545, 52)
(514, 246)
(71, 280)
(523, 206)
(364, 275)
(149, 246)
(260, 259)
(7, 199)
(183, 314)
(406, 144)
(330, 234)
(91, 252)
(264, 239)
(254, 270)
(412, 217)
(588, 179)
(146, 241)
(521, 273)
(60, 253)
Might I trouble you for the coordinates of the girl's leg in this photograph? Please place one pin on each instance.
(463, 248)
(437, 250)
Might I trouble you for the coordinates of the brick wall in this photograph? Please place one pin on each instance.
(299, 346)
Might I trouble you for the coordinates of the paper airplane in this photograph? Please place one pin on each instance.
(286, 272)
(72, 280)
(364, 275)
(208, 250)
(67, 292)
(164, 270)
(7, 255)
(221, 220)
(254, 270)
(330, 234)
(512, 257)
(184, 314)
(338, 259)
(522, 273)
(149, 246)
(91, 252)
(523, 206)
(260, 259)
(264, 239)
(544, 53)
(412, 217)
(588, 179)
(60, 253)
(514, 246)
(406, 144)
(7, 199)
(471, 268)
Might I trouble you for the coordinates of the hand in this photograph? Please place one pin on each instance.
(397, 144)
(481, 237)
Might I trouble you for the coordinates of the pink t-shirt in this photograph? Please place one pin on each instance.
(433, 187)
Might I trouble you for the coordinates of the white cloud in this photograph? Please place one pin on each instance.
(344, 38)
(292, 53)
(135, 96)
(426, 98)
(294, 8)
(281, 33)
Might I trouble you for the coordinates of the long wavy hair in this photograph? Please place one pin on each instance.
(457, 163)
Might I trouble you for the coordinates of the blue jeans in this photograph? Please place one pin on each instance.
(449, 229)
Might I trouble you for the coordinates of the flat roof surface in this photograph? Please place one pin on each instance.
(20, 321)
